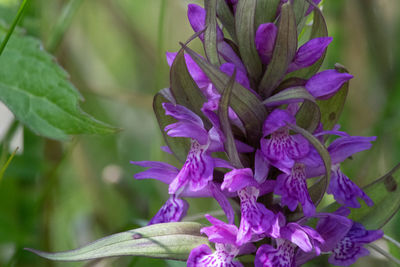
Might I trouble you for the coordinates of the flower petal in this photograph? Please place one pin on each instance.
(326, 83)
(173, 210)
(265, 41)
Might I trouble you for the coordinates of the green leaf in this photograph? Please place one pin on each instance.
(309, 116)
(210, 35)
(38, 92)
(183, 88)
(385, 192)
(245, 33)
(290, 95)
(319, 29)
(226, 17)
(165, 241)
(5, 166)
(229, 144)
(178, 145)
(317, 190)
(265, 11)
(332, 108)
(247, 105)
(284, 51)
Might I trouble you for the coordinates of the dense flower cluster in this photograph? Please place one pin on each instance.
(272, 181)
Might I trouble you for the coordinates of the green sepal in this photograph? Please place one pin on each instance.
(165, 241)
(226, 17)
(210, 35)
(266, 11)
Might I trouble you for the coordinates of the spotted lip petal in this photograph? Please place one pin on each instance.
(282, 256)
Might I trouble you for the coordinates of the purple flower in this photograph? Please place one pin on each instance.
(224, 235)
(293, 189)
(343, 189)
(173, 210)
(282, 149)
(282, 255)
(265, 41)
(326, 83)
(351, 247)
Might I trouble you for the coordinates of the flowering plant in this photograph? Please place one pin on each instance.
(254, 123)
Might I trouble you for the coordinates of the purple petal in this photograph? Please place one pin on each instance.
(326, 83)
(283, 256)
(197, 170)
(256, 219)
(226, 51)
(189, 130)
(197, 19)
(293, 189)
(359, 234)
(347, 253)
(311, 8)
(202, 256)
(265, 41)
(277, 119)
(345, 191)
(238, 179)
(306, 238)
(220, 232)
(158, 170)
(173, 210)
(182, 113)
(342, 148)
(309, 53)
(261, 167)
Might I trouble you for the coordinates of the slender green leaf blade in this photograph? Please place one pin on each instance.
(178, 145)
(290, 95)
(245, 33)
(210, 35)
(166, 241)
(309, 116)
(265, 11)
(284, 51)
(229, 144)
(226, 17)
(38, 92)
(246, 104)
(183, 88)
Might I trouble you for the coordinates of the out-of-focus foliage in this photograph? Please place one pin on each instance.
(60, 195)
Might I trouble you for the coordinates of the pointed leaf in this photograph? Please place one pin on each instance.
(210, 35)
(319, 29)
(266, 11)
(178, 145)
(165, 241)
(37, 90)
(183, 88)
(284, 51)
(226, 17)
(246, 104)
(290, 95)
(385, 192)
(245, 33)
(229, 144)
(318, 190)
(332, 108)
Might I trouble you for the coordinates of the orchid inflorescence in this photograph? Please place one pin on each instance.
(251, 123)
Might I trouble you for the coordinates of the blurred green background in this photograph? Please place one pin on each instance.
(57, 196)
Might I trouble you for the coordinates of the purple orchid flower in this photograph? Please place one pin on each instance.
(351, 247)
(256, 220)
(343, 189)
(173, 210)
(291, 236)
(282, 149)
(224, 235)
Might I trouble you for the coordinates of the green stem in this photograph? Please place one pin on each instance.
(13, 25)
(62, 24)
(391, 240)
(384, 253)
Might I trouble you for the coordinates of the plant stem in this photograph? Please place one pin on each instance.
(62, 24)
(384, 253)
(13, 25)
